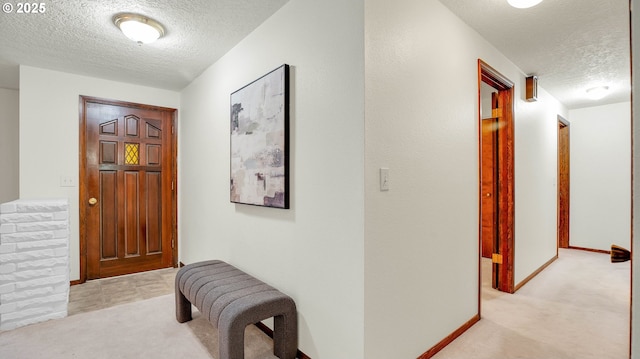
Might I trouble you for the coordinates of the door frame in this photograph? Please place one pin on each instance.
(502, 272)
(566, 125)
(83, 178)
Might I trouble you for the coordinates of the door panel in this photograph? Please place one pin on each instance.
(504, 244)
(154, 212)
(129, 169)
(488, 205)
(108, 214)
(131, 218)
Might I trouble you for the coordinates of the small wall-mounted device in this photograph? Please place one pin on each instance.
(384, 179)
(531, 93)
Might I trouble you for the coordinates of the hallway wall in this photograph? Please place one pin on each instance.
(421, 105)
(536, 175)
(9, 150)
(601, 176)
(313, 251)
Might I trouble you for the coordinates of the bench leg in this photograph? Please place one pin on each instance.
(183, 307)
(231, 341)
(285, 335)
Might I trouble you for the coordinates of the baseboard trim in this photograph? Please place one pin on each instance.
(532, 275)
(266, 330)
(450, 338)
(76, 282)
(591, 250)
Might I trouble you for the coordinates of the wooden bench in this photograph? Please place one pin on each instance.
(231, 299)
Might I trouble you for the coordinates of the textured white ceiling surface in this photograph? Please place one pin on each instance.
(78, 36)
(571, 45)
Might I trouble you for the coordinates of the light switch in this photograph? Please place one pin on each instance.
(67, 181)
(384, 179)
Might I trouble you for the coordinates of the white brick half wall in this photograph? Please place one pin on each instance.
(34, 261)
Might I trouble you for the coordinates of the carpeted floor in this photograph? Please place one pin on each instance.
(578, 307)
(109, 292)
(142, 329)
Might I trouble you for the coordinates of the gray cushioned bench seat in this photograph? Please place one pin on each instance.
(231, 299)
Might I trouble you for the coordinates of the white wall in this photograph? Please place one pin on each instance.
(49, 133)
(314, 251)
(421, 237)
(9, 155)
(536, 172)
(600, 176)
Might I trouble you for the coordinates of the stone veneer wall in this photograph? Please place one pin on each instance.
(34, 262)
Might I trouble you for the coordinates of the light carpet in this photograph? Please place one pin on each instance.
(578, 307)
(144, 329)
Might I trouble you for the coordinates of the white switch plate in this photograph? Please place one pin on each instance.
(67, 181)
(384, 179)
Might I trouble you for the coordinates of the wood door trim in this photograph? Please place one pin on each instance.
(506, 173)
(174, 188)
(561, 241)
(563, 121)
(84, 192)
(493, 78)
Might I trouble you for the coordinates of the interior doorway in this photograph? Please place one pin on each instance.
(564, 171)
(128, 200)
(489, 157)
(496, 167)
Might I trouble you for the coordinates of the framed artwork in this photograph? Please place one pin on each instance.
(260, 141)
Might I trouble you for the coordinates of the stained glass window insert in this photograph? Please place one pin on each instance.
(131, 153)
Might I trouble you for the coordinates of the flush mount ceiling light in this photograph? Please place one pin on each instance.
(138, 28)
(523, 4)
(596, 93)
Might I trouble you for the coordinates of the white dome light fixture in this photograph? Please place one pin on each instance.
(523, 4)
(596, 93)
(138, 28)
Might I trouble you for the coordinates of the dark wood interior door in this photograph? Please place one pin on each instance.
(129, 188)
(563, 183)
(489, 188)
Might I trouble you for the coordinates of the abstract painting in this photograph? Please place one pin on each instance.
(260, 141)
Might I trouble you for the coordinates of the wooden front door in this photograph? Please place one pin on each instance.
(563, 182)
(127, 197)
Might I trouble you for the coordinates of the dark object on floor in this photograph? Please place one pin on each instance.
(231, 299)
(619, 254)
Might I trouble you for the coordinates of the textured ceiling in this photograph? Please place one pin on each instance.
(78, 36)
(571, 45)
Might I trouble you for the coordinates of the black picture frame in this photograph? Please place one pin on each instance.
(259, 130)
